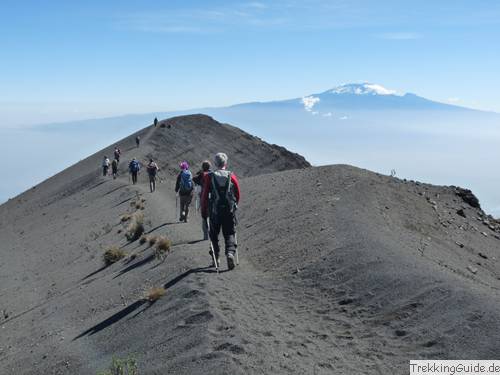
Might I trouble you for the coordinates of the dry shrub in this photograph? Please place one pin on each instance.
(163, 246)
(139, 206)
(125, 217)
(143, 239)
(154, 294)
(152, 240)
(136, 227)
(113, 254)
(125, 366)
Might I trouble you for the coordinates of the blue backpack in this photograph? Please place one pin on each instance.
(186, 183)
(134, 166)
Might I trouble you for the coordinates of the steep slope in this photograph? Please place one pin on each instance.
(342, 270)
(396, 270)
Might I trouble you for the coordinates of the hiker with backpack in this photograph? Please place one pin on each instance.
(152, 169)
(105, 166)
(134, 167)
(219, 202)
(114, 168)
(117, 154)
(184, 187)
(198, 181)
(137, 141)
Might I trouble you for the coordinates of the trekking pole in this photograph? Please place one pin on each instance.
(236, 247)
(212, 248)
(176, 200)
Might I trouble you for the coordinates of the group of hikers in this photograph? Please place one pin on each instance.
(219, 195)
(134, 167)
(113, 164)
(216, 189)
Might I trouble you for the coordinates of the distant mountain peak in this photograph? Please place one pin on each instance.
(365, 88)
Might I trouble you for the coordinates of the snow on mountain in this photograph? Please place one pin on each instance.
(362, 89)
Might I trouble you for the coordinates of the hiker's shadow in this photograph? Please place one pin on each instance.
(140, 303)
(135, 265)
(113, 319)
(183, 275)
(163, 225)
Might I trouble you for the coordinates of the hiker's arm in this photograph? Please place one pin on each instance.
(234, 180)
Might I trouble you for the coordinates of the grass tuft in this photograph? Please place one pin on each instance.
(163, 246)
(113, 254)
(126, 366)
(136, 227)
(152, 240)
(154, 294)
(125, 217)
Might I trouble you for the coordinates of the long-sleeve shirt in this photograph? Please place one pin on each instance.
(221, 176)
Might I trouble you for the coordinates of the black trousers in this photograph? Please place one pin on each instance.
(134, 177)
(227, 222)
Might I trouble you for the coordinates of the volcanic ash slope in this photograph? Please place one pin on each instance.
(341, 270)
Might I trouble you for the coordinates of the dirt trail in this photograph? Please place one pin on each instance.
(258, 323)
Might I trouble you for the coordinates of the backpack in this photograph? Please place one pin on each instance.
(152, 168)
(222, 199)
(134, 166)
(186, 182)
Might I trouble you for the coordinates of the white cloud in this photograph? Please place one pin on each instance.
(453, 100)
(343, 118)
(309, 102)
(328, 114)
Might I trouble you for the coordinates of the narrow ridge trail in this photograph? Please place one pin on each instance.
(254, 324)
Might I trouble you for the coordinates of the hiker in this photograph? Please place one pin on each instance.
(114, 168)
(105, 166)
(184, 186)
(152, 168)
(137, 141)
(220, 198)
(198, 180)
(117, 154)
(134, 168)
(155, 122)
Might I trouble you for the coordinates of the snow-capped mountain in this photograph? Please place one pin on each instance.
(362, 89)
(363, 124)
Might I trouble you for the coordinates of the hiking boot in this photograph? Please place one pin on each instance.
(230, 261)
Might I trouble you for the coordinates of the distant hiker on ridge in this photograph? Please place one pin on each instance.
(134, 167)
(137, 141)
(152, 168)
(114, 168)
(198, 180)
(117, 154)
(105, 166)
(155, 122)
(220, 198)
(184, 186)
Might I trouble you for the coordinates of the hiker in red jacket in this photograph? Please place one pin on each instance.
(219, 202)
(198, 181)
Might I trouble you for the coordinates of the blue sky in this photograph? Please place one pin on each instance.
(63, 60)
